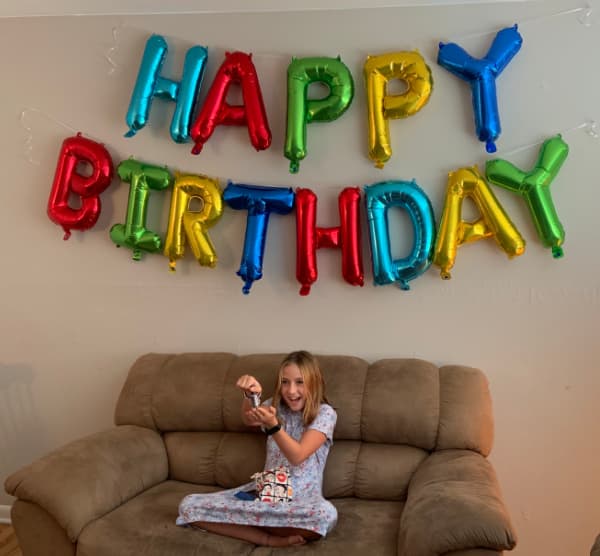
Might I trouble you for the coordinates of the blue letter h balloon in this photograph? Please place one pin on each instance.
(151, 84)
(481, 74)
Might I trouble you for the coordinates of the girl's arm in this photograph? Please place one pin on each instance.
(295, 452)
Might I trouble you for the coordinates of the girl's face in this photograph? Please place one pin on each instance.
(292, 387)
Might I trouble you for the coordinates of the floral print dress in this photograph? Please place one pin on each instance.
(307, 510)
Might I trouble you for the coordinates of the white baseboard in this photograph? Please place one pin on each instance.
(4, 514)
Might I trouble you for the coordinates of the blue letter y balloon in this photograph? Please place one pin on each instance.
(481, 75)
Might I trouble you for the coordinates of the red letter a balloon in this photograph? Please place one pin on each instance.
(237, 68)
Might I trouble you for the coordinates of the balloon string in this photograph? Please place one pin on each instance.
(29, 131)
(110, 53)
(584, 17)
(28, 145)
(589, 126)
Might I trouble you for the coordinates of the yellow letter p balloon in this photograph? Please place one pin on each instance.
(193, 225)
(454, 231)
(409, 67)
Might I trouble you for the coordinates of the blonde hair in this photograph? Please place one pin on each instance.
(314, 385)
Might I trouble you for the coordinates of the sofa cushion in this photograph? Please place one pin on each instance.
(176, 406)
(345, 379)
(340, 470)
(364, 527)
(401, 403)
(383, 471)
(466, 420)
(223, 459)
(146, 525)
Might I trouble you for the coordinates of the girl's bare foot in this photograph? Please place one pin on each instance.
(275, 541)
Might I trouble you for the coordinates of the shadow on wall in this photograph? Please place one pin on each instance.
(21, 431)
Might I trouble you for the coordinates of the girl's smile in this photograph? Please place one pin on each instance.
(292, 387)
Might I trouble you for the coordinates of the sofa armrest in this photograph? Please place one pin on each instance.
(91, 476)
(454, 504)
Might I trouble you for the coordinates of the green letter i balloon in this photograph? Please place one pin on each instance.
(301, 110)
(535, 187)
(133, 233)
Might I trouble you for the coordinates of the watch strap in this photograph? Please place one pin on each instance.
(272, 430)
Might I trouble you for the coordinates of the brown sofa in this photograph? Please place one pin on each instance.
(407, 472)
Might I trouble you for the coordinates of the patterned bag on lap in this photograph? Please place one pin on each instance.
(273, 485)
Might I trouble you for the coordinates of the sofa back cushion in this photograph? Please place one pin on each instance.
(391, 414)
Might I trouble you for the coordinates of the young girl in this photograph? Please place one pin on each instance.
(299, 424)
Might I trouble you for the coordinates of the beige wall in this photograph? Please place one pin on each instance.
(75, 314)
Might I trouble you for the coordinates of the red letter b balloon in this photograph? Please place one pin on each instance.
(67, 179)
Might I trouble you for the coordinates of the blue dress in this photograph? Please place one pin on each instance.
(307, 510)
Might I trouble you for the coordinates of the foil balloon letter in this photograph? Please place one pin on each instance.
(142, 179)
(454, 231)
(302, 111)
(185, 223)
(67, 180)
(380, 197)
(260, 202)
(481, 75)
(237, 68)
(150, 84)
(534, 186)
(409, 67)
(346, 237)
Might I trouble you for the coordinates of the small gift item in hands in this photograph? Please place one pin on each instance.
(254, 398)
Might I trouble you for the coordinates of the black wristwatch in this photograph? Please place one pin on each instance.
(272, 430)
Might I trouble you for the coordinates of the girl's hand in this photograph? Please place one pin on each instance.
(249, 384)
(263, 415)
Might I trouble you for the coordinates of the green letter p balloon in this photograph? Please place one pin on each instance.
(301, 110)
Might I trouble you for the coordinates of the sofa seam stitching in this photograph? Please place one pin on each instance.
(223, 431)
(153, 386)
(437, 432)
(360, 426)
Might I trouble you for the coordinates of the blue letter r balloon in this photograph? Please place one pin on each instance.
(482, 74)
